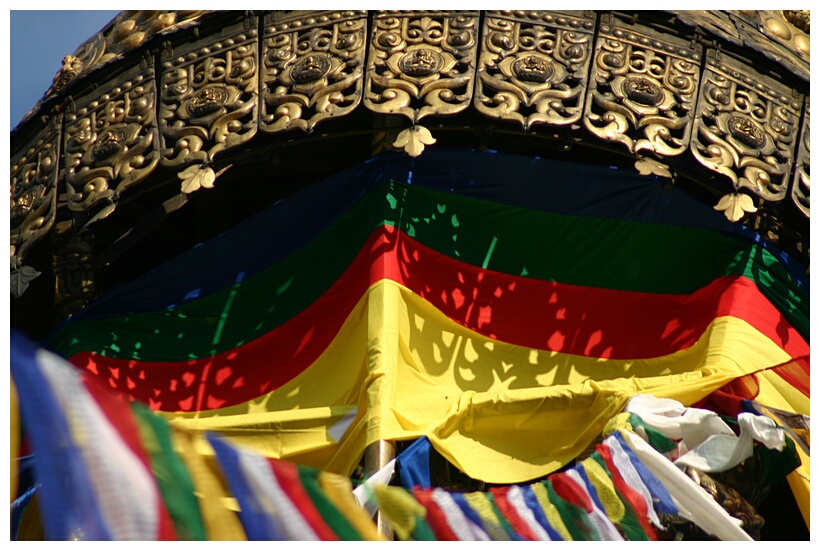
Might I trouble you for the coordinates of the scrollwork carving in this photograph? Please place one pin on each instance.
(312, 68)
(111, 139)
(643, 90)
(533, 66)
(421, 63)
(33, 189)
(801, 184)
(209, 96)
(746, 128)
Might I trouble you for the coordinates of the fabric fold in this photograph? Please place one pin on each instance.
(693, 502)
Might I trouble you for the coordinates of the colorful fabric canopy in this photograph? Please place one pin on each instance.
(106, 468)
(505, 307)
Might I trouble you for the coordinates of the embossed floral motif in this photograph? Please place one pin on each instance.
(742, 130)
(23, 204)
(420, 65)
(309, 74)
(208, 100)
(420, 62)
(311, 68)
(532, 72)
(532, 68)
(209, 103)
(643, 95)
(109, 142)
(643, 90)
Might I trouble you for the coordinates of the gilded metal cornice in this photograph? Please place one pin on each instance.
(312, 68)
(715, 96)
(533, 66)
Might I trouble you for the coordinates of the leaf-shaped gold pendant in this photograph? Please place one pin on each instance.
(20, 280)
(649, 167)
(735, 205)
(413, 140)
(195, 177)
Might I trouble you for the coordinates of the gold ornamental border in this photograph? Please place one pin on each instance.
(179, 89)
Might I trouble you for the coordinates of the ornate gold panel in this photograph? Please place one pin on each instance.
(34, 188)
(643, 88)
(800, 185)
(111, 139)
(421, 63)
(312, 68)
(533, 66)
(209, 95)
(746, 127)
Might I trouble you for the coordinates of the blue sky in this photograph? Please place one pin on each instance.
(38, 42)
